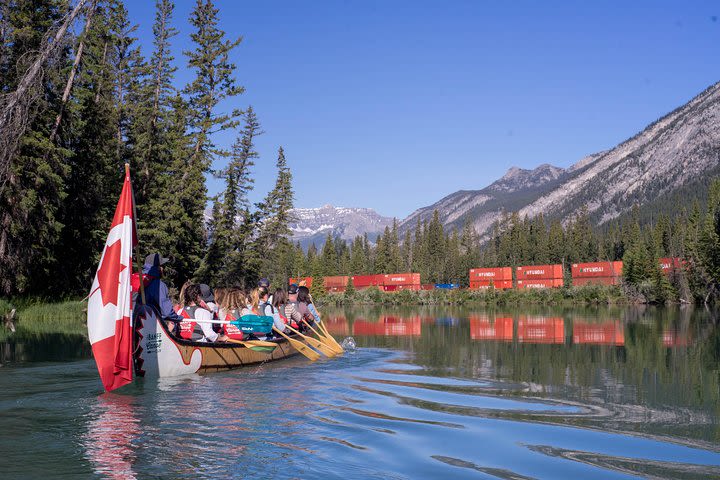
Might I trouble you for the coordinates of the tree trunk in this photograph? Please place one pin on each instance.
(73, 72)
(16, 106)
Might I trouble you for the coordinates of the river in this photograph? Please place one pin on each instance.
(513, 393)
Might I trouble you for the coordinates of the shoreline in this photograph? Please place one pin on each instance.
(583, 295)
(40, 316)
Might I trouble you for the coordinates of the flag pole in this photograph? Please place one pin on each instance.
(139, 268)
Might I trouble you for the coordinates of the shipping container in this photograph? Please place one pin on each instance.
(482, 274)
(301, 281)
(389, 326)
(335, 289)
(337, 281)
(579, 282)
(499, 284)
(554, 283)
(597, 269)
(539, 272)
(447, 286)
(427, 286)
(541, 330)
(483, 328)
(668, 264)
(607, 333)
(401, 279)
(364, 281)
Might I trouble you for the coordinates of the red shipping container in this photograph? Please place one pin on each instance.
(554, 283)
(499, 284)
(482, 328)
(597, 269)
(401, 279)
(427, 286)
(301, 281)
(335, 289)
(668, 264)
(608, 333)
(389, 288)
(483, 274)
(337, 281)
(579, 282)
(362, 281)
(539, 272)
(541, 330)
(389, 326)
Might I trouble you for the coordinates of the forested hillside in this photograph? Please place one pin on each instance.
(79, 100)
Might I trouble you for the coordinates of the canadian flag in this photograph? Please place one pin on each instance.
(109, 304)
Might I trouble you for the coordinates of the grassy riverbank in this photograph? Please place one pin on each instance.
(35, 317)
(586, 295)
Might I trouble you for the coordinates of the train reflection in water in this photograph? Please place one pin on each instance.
(503, 327)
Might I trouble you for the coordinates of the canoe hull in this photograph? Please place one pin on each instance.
(158, 354)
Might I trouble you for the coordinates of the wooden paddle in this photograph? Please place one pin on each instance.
(315, 343)
(321, 337)
(321, 326)
(311, 354)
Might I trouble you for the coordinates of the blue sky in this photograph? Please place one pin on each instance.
(394, 104)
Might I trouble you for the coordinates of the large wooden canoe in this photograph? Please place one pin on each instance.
(160, 354)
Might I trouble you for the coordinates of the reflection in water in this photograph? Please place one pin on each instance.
(651, 370)
(113, 428)
(429, 393)
(33, 347)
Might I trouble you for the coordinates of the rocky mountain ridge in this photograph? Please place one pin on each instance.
(311, 225)
(668, 155)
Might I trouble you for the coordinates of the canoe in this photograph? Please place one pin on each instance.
(158, 353)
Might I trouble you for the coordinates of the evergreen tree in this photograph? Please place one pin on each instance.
(214, 83)
(32, 196)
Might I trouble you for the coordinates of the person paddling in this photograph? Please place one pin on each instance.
(291, 307)
(202, 330)
(156, 292)
(306, 307)
(267, 308)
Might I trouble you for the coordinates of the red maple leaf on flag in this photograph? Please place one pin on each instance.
(109, 273)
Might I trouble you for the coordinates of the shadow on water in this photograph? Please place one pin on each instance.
(43, 347)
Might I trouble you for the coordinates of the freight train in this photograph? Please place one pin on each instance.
(499, 278)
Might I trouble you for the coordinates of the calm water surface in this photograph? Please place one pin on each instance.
(429, 393)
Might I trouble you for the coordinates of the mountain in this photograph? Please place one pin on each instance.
(678, 152)
(311, 225)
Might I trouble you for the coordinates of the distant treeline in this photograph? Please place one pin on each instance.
(446, 257)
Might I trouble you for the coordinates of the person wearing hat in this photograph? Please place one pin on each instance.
(206, 295)
(156, 292)
(265, 283)
(291, 307)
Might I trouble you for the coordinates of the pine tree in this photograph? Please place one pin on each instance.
(214, 83)
(32, 194)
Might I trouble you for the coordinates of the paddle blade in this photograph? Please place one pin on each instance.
(260, 348)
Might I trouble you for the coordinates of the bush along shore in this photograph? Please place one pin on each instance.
(585, 295)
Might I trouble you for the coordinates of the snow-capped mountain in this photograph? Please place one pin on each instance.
(311, 225)
(677, 153)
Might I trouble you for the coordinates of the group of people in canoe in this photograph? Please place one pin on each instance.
(199, 308)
